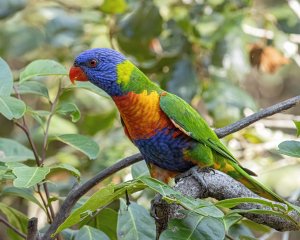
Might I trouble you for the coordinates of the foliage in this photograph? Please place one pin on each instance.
(211, 53)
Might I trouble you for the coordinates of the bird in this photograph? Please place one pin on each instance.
(170, 134)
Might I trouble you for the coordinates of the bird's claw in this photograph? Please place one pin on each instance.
(195, 174)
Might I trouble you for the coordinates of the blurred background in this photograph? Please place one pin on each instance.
(227, 58)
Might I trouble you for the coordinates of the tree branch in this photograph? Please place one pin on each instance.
(79, 191)
(219, 186)
(17, 231)
(32, 231)
(279, 107)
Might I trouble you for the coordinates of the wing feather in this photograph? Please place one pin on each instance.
(188, 120)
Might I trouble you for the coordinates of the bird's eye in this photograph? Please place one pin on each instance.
(92, 63)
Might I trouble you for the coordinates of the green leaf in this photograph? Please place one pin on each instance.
(290, 148)
(13, 151)
(231, 219)
(139, 169)
(29, 176)
(255, 227)
(5, 173)
(12, 165)
(43, 67)
(94, 123)
(233, 202)
(16, 219)
(97, 200)
(116, 6)
(105, 220)
(82, 143)
(3, 168)
(33, 87)
(6, 79)
(263, 211)
(67, 167)
(69, 108)
(194, 227)
(69, 234)
(90, 233)
(171, 196)
(241, 232)
(11, 107)
(134, 222)
(109, 225)
(297, 124)
(39, 115)
(60, 125)
(25, 193)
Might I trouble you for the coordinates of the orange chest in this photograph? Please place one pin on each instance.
(141, 114)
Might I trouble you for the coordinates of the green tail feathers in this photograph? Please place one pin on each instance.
(256, 186)
(242, 175)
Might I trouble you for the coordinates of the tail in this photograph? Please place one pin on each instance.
(242, 175)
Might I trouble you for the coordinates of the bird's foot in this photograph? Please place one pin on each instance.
(194, 172)
(185, 174)
(191, 172)
(208, 170)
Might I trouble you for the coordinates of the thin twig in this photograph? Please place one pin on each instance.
(25, 129)
(17, 231)
(52, 112)
(79, 191)
(44, 203)
(279, 107)
(45, 143)
(52, 214)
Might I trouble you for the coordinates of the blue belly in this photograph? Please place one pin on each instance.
(165, 151)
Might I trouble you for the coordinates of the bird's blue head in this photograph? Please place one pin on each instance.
(99, 66)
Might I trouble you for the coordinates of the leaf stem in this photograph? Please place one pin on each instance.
(44, 203)
(52, 112)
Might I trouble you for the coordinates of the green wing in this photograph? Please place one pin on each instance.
(189, 120)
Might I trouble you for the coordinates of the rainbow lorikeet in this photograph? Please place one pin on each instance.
(169, 133)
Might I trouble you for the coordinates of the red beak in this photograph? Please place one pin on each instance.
(76, 74)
